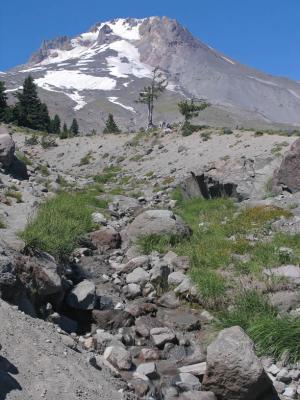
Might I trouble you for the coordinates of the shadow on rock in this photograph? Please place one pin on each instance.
(7, 382)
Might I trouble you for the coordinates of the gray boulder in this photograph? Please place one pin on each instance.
(288, 174)
(82, 296)
(157, 222)
(233, 370)
(7, 148)
(138, 276)
(119, 357)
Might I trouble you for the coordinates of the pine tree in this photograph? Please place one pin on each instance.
(65, 132)
(30, 111)
(110, 125)
(55, 125)
(152, 92)
(3, 101)
(190, 110)
(74, 128)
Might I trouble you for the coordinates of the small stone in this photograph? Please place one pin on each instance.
(283, 376)
(273, 369)
(150, 354)
(291, 392)
(148, 369)
(119, 357)
(161, 336)
(175, 278)
(186, 382)
(132, 290)
(140, 387)
(279, 387)
(138, 276)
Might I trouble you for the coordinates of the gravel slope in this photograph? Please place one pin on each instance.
(35, 363)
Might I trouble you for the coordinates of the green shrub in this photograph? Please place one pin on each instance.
(2, 224)
(14, 194)
(61, 221)
(85, 159)
(108, 174)
(32, 140)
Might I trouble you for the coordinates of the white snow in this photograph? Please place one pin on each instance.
(294, 93)
(2, 73)
(13, 90)
(228, 60)
(67, 79)
(134, 66)
(125, 30)
(263, 81)
(114, 100)
(75, 96)
(32, 69)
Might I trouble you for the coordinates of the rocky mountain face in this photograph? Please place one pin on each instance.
(103, 70)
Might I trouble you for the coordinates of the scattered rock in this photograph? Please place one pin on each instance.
(119, 357)
(106, 237)
(82, 296)
(161, 336)
(157, 222)
(233, 370)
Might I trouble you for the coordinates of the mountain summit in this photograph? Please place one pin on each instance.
(102, 71)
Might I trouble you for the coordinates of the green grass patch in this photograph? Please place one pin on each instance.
(85, 160)
(109, 174)
(61, 221)
(43, 169)
(14, 194)
(2, 224)
(273, 335)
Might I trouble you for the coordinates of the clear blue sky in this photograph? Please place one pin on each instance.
(264, 34)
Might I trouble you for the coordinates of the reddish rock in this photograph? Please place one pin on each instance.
(106, 237)
(149, 355)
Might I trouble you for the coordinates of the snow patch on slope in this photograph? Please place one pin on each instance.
(75, 96)
(263, 81)
(125, 30)
(228, 60)
(294, 93)
(67, 79)
(114, 101)
(118, 65)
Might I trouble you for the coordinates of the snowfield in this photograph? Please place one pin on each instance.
(114, 101)
(67, 79)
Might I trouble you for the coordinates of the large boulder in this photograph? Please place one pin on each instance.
(288, 174)
(233, 370)
(157, 222)
(7, 148)
(241, 178)
(112, 319)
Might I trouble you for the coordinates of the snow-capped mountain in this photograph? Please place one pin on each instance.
(102, 71)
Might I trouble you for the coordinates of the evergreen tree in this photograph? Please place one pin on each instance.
(74, 129)
(110, 125)
(30, 111)
(152, 92)
(65, 132)
(3, 102)
(190, 110)
(55, 125)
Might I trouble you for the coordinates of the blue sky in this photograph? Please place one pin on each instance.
(264, 34)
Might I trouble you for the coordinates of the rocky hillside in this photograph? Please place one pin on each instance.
(149, 266)
(103, 70)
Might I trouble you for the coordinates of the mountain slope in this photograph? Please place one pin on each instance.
(102, 71)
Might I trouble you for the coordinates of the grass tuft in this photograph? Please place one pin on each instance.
(61, 221)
